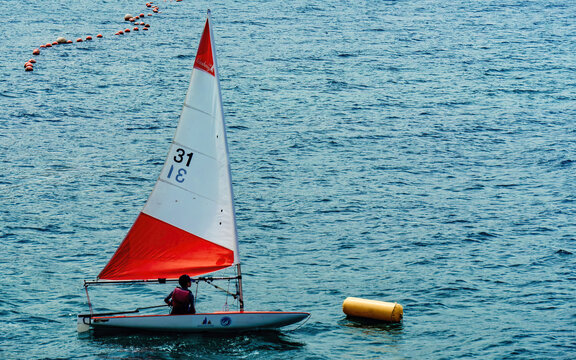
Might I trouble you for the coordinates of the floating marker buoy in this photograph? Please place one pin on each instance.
(32, 61)
(147, 25)
(36, 52)
(48, 45)
(69, 42)
(79, 40)
(135, 29)
(55, 43)
(88, 38)
(126, 30)
(141, 15)
(29, 68)
(127, 17)
(372, 309)
(99, 35)
(61, 40)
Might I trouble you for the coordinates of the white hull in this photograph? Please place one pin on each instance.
(209, 322)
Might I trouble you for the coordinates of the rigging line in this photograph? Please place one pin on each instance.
(196, 109)
(219, 288)
(301, 324)
(196, 295)
(187, 190)
(227, 292)
(151, 307)
(88, 297)
(123, 312)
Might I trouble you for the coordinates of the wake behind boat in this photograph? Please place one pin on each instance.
(188, 225)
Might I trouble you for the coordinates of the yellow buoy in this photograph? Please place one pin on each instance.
(372, 309)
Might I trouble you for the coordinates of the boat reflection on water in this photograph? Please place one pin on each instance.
(204, 346)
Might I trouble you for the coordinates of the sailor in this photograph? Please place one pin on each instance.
(181, 298)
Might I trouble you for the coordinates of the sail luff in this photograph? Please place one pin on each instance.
(227, 152)
(225, 135)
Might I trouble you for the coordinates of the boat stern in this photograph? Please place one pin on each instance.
(83, 323)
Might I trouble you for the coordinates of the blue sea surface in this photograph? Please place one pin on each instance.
(419, 152)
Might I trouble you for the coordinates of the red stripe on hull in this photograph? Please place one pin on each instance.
(154, 249)
(203, 314)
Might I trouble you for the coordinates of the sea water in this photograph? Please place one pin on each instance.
(419, 152)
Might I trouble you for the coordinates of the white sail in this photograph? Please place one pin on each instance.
(188, 223)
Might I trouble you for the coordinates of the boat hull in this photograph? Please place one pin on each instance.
(209, 322)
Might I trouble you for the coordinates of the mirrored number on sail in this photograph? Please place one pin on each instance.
(179, 175)
(183, 158)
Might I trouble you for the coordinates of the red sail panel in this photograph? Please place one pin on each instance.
(154, 249)
(204, 59)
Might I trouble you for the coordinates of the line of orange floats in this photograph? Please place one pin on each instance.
(133, 19)
(29, 65)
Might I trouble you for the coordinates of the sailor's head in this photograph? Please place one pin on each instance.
(184, 281)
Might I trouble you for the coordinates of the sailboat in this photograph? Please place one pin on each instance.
(188, 224)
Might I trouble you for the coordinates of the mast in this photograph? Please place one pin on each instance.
(240, 295)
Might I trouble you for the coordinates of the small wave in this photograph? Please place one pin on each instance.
(239, 127)
(151, 127)
(48, 228)
(2, 94)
